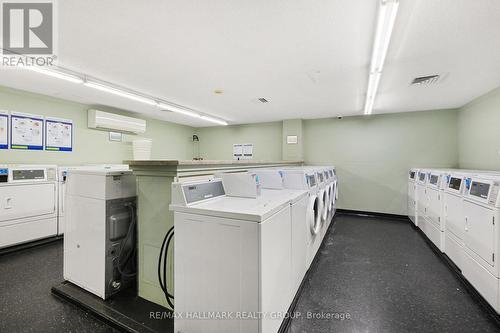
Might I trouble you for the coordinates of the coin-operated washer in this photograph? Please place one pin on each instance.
(232, 255)
(28, 199)
(100, 237)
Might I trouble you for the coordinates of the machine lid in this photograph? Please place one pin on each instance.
(248, 209)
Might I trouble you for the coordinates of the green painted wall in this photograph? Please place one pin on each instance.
(293, 152)
(91, 146)
(479, 133)
(373, 154)
(216, 143)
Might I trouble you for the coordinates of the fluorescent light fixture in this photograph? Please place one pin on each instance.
(119, 92)
(373, 82)
(385, 24)
(56, 74)
(178, 110)
(214, 120)
(191, 113)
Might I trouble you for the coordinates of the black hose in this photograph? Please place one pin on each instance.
(123, 261)
(164, 255)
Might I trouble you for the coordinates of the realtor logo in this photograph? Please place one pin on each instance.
(28, 28)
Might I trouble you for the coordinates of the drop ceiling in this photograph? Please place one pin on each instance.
(307, 59)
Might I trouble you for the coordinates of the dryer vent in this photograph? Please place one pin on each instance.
(425, 80)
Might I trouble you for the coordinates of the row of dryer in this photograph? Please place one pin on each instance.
(458, 210)
(243, 244)
(33, 201)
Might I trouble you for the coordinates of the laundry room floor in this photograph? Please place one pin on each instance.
(380, 275)
(371, 275)
(26, 303)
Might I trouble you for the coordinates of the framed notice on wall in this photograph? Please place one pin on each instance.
(26, 131)
(4, 130)
(58, 134)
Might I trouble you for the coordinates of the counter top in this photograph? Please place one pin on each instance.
(204, 162)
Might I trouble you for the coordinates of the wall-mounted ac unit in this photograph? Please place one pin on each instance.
(114, 122)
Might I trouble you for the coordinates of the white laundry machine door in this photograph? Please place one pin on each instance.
(323, 196)
(313, 227)
(479, 236)
(454, 213)
(27, 212)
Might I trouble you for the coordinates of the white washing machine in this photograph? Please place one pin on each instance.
(481, 236)
(271, 181)
(421, 199)
(62, 174)
(435, 217)
(412, 191)
(454, 216)
(232, 255)
(28, 197)
(303, 179)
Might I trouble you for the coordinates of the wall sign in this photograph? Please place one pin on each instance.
(26, 131)
(242, 151)
(292, 139)
(4, 130)
(58, 134)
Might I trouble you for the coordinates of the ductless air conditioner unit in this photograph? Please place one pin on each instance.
(113, 122)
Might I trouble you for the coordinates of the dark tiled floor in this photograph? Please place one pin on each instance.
(386, 277)
(26, 304)
(379, 272)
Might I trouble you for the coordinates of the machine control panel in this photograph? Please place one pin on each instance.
(434, 179)
(4, 175)
(202, 191)
(320, 177)
(479, 189)
(455, 183)
(28, 174)
(421, 176)
(311, 180)
(412, 174)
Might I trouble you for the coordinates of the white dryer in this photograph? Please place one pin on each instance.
(421, 199)
(303, 179)
(28, 197)
(435, 219)
(412, 190)
(481, 237)
(232, 255)
(454, 216)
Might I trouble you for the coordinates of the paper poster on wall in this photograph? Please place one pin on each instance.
(237, 151)
(58, 134)
(248, 151)
(4, 130)
(26, 131)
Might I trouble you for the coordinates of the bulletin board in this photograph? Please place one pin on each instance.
(26, 131)
(4, 130)
(58, 134)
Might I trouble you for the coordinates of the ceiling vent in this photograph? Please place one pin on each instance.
(425, 80)
(263, 100)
